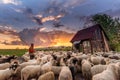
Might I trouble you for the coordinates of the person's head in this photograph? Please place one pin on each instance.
(32, 45)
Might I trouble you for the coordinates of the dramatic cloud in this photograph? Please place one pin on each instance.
(9, 36)
(57, 6)
(40, 19)
(42, 38)
(73, 3)
(38, 36)
(42, 29)
(14, 2)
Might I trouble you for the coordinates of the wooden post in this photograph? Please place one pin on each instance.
(91, 46)
(105, 42)
(82, 47)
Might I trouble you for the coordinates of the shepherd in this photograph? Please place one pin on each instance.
(31, 51)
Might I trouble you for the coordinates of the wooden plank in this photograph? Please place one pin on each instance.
(91, 46)
(105, 42)
(83, 47)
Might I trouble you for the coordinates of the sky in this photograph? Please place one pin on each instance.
(47, 22)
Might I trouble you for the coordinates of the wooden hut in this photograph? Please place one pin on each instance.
(90, 40)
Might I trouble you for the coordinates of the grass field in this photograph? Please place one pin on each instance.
(17, 52)
(20, 52)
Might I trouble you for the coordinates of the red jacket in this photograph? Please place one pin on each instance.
(31, 50)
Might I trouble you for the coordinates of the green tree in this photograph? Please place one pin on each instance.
(112, 28)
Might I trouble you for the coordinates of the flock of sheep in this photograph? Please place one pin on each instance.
(61, 65)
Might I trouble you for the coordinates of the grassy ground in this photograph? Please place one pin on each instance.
(17, 52)
(20, 52)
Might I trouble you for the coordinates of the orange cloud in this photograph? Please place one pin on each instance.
(41, 38)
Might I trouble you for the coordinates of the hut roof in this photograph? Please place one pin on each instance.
(87, 33)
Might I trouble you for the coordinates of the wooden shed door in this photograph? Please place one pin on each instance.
(86, 47)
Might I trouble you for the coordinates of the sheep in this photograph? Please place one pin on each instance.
(114, 56)
(56, 69)
(111, 73)
(47, 76)
(9, 72)
(47, 66)
(86, 69)
(97, 60)
(58, 59)
(35, 70)
(8, 59)
(98, 69)
(22, 65)
(65, 74)
(45, 59)
(32, 71)
(107, 54)
(4, 66)
(74, 67)
(63, 61)
(21, 59)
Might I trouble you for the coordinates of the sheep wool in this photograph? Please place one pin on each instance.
(4, 66)
(32, 71)
(47, 76)
(86, 70)
(98, 69)
(65, 74)
(111, 73)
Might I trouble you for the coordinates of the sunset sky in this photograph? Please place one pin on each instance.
(33, 21)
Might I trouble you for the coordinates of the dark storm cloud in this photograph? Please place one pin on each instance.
(27, 35)
(57, 25)
(28, 11)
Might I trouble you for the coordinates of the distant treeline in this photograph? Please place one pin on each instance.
(61, 48)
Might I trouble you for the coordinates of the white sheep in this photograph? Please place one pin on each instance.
(65, 74)
(8, 73)
(26, 56)
(98, 69)
(47, 76)
(111, 73)
(47, 66)
(86, 69)
(24, 64)
(4, 66)
(62, 62)
(32, 71)
(56, 69)
(97, 60)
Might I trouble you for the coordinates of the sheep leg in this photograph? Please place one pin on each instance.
(22, 78)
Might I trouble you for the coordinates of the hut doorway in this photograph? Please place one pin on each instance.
(86, 47)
